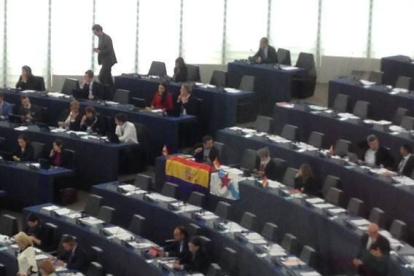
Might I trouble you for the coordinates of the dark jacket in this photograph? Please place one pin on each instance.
(27, 155)
(382, 157)
(64, 159)
(408, 166)
(38, 232)
(98, 125)
(271, 55)
(106, 54)
(78, 260)
(97, 91)
(199, 157)
(75, 125)
(6, 110)
(270, 171)
(199, 262)
(372, 265)
(31, 84)
(35, 112)
(310, 187)
(173, 249)
(191, 106)
(180, 74)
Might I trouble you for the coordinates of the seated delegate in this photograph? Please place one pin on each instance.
(58, 157)
(92, 123)
(266, 53)
(24, 152)
(71, 119)
(180, 71)
(162, 98)
(205, 151)
(27, 80)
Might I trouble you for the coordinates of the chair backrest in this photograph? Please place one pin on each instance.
(8, 225)
(356, 207)
(206, 243)
(223, 210)
(400, 113)
(289, 177)
(97, 254)
(376, 76)
(194, 230)
(377, 216)
(335, 197)
(341, 103)
(93, 205)
(221, 152)
(264, 124)
(270, 232)
(280, 170)
(306, 61)
(122, 96)
(249, 159)
(193, 73)
(95, 269)
(399, 229)
(51, 237)
(137, 225)
(69, 85)
(38, 150)
(40, 83)
(403, 82)
(247, 83)
(342, 147)
(316, 139)
(407, 123)
(249, 221)
(157, 69)
(361, 109)
(219, 78)
(143, 134)
(290, 132)
(330, 182)
(308, 256)
(170, 189)
(358, 74)
(228, 261)
(106, 214)
(197, 199)
(290, 244)
(214, 270)
(143, 182)
(283, 56)
(71, 157)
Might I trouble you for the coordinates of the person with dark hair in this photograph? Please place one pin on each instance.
(90, 89)
(74, 255)
(106, 55)
(186, 103)
(266, 53)
(405, 166)
(205, 151)
(179, 247)
(265, 165)
(93, 123)
(6, 109)
(35, 230)
(58, 157)
(305, 181)
(180, 70)
(34, 112)
(26, 81)
(162, 98)
(71, 119)
(375, 155)
(25, 152)
(197, 261)
(125, 130)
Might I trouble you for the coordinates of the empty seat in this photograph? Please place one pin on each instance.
(270, 232)
(69, 85)
(38, 150)
(221, 152)
(51, 238)
(290, 244)
(223, 210)
(403, 82)
(308, 256)
(194, 230)
(280, 168)
(342, 147)
(197, 199)
(143, 182)
(219, 78)
(330, 182)
(170, 189)
(290, 132)
(399, 115)
(228, 262)
(97, 254)
(399, 229)
(361, 109)
(121, 96)
(157, 69)
(376, 76)
(264, 124)
(377, 216)
(407, 123)
(356, 207)
(248, 161)
(358, 74)
(95, 269)
(335, 197)
(214, 270)
(93, 204)
(289, 177)
(71, 158)
(193, 73)
(283, 56)
(106, 214)
(304, 86)
(137, 224)
(249, 221)
(316, 139)
(206, 243)
(341, 103)
(247, 83)
(8, 225)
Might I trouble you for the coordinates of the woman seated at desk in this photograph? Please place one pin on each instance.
(162, 98)
(27, 81)
(58, 157)
(25, 152)
(305, 181)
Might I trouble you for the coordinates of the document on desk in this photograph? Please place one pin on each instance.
(91, 221)
(209, 216)
(231, 90)
(128, 187)
(276, 250)
(158, 197)
(359, 222)
(41, 257)
(289, 68)
(62, 211)
(21, 128)
(233, 227)
(310, 273)
(315, 200)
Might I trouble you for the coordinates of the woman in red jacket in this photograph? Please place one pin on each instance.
(162, 99)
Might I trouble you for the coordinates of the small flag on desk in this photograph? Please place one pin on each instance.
(265, 182)
(216, 164)
(164, 151)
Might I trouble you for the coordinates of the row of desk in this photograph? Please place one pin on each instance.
(396, 66)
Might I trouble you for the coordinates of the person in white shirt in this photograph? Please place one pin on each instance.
(375, 155)
(125, 130)
(27, 256)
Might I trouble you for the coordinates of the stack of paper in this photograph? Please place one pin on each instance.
(231, 90)
(158, 197)
(62, 211)
(276, 250)
(128, 187)
(91, 221)
(209, 216)
(21, 128)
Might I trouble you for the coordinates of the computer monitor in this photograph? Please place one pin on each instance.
(69, 85)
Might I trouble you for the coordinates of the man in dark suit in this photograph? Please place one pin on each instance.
(373, 254)
(179, 247)
(92, 122)
(405, 166)
(206, 152)
(5, 108)
(265, 165)
(197, 261)
(186, 103)
(106, 55)
(90, 89)
(266, 53)
(34, 113)
(375, 155)
(74, 256)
